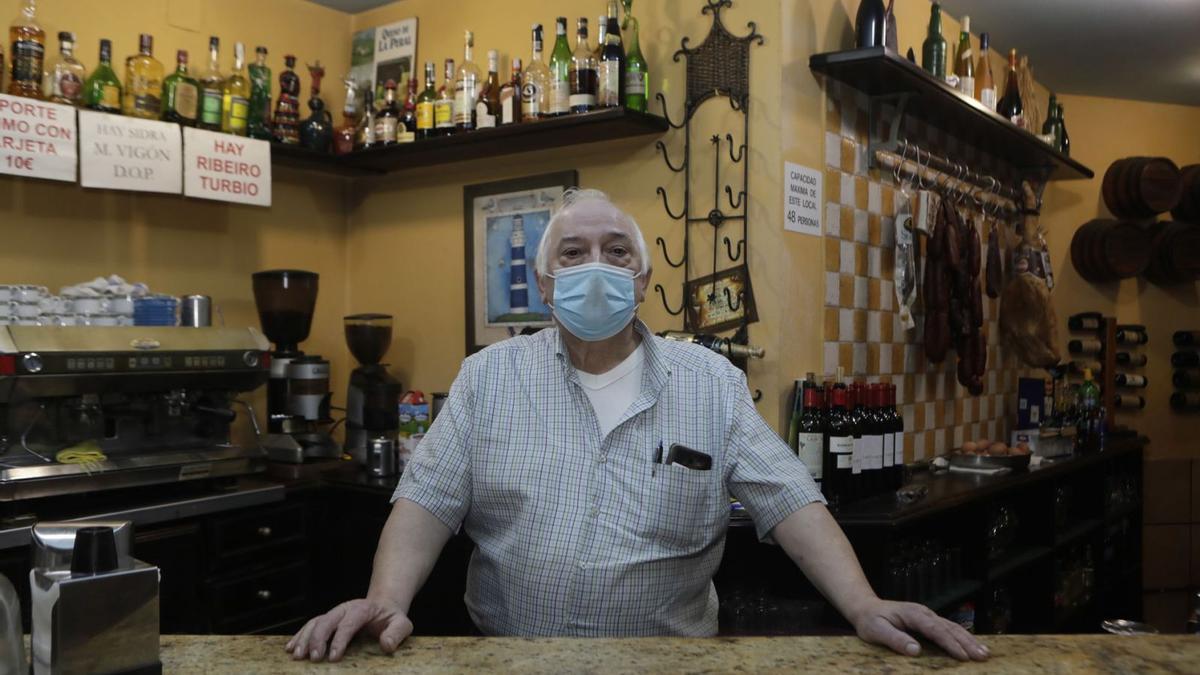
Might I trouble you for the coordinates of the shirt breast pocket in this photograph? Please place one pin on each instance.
(684, 509)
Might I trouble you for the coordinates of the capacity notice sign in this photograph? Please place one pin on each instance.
(37, 139)
(801, 199)
(127, 153)
(226, 168)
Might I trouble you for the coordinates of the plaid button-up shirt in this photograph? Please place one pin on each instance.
(580, 535)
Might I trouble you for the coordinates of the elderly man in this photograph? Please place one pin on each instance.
(592, 465)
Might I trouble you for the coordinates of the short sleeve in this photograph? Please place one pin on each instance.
(767, 477)
(438, 475)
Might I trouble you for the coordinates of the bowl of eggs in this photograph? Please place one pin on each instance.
(989, 454)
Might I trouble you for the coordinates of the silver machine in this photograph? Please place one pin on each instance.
(157, 403)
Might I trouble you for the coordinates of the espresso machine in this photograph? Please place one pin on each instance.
(373, 396)
(142, 405)
(298, 391)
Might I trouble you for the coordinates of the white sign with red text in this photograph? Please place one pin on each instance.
(226, 168)
(37, 139)
(127, 153)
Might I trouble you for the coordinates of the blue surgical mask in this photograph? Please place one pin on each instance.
(594, 301)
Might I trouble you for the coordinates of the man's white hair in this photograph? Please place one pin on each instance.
(571, 198)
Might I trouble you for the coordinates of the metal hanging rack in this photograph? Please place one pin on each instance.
(945, 175)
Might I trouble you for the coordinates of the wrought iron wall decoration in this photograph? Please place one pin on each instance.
(718, 67)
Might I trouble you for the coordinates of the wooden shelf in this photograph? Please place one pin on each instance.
(877, 72)
(556, 132)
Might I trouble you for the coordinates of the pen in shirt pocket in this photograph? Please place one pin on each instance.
(657, 460)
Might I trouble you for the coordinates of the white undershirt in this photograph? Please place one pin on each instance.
(612, 393)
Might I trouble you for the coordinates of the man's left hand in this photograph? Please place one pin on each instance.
(893, 625)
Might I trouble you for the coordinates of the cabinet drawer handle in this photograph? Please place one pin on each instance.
(264, 532)
(263, 594)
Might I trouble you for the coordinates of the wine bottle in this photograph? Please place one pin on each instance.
(1185, 359)
(636, 72)
(406, 128)
(1129, 401)
(985, 85)
(876, 427)
(581, 74)
(897, 480)
(1084, 321)
(559, 98)
(1065, 141)
(1129, 359)
(487, 109)
(426, 104)
(964, 66)
(1186, 379)
(388, 116)
(364, 134)
(443, 108)
(466, 87)
(510, 97)
(797, 410)
(1186, 338)
(1132, 335)
(838, 449)
(535, 84)
(1085, 346)
(720, 345)
(860, 425)
(810, 437)
(1010, 107)
(610, 92)
(1130, 380)
(869, 24)
(933, 51)
(1186, 401)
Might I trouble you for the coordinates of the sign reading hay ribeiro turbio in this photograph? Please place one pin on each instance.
(226, 168)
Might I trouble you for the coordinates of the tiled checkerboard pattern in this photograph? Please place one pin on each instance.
(862, 329)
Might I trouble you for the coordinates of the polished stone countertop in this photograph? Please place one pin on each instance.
(1010, 654)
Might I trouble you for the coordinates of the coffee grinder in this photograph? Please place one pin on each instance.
(298, 390)
(373, 397)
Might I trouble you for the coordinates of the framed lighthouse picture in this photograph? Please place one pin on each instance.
(504, 222)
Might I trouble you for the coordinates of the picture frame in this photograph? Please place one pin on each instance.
(717, 313)
(503, 220)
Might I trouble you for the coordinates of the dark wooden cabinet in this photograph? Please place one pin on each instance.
(177, 550)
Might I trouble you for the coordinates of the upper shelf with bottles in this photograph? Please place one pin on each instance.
(880, 72)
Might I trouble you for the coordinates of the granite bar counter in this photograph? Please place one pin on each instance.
(1010, 654)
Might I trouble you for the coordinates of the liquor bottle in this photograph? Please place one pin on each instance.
(1050, 126)
(933, 52)
(235, 96)
(897, 440)
(1132, 335)
(720, 345)
(316, 131)
(635, 64)
(1084, 321)
(810, 436)
(102, 90)
(1130, 380)
(259, 124)
(1129, 401)
(1128, 359)
(1185, 359)
(1185, 401)
(426, 103)
(64, 74)
(387, 117)
(345, 135)
(27, 53)
(212, 89)
(286, 123)
(601, 34)
(582, 72)
(443, 108)
(1186, 379)
(837, 460)
(610, 88)
(1090, 347)
(1009, 107)
(535, 82)
(559, 98)
(364, 135)
(487, 108)
(870, 24)
(1186, 338)
(143, 82)
(181, 94)
(466, 88)
(1065, 141)
(406, 128)
(510, 96)
(964, 67)
(1087, 425)
(985, 86)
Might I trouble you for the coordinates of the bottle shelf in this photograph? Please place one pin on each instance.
(879, 73)
(556, 132)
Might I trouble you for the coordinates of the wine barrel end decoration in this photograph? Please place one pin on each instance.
(1188, 208)
(1174, 253)
(1141, 187)
(1108, 250)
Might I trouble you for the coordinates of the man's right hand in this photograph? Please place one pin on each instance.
(329, 633)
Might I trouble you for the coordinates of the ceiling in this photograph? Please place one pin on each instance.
(1136, 49)
(352, 6)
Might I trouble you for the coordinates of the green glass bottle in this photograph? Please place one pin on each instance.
(560, 68)
(636, 73)
(181, 94)
(933, 52)
(1064, 140)
(1051, 126)
(102, 91)
(260, 95)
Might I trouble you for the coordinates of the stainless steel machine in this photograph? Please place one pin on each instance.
(156, 403)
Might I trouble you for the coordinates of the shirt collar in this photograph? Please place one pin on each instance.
(657, 371)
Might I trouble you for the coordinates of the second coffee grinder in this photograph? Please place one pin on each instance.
(373, 397)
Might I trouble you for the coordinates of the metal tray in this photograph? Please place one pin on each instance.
(1014, 462)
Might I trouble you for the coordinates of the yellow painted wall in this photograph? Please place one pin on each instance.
(58, 234)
